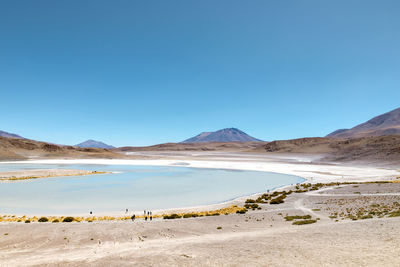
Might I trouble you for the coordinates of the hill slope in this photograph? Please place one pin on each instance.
(95, 144)
(201, 146)
(385, 124)
(19, 149)
(367, 149)
(224, 135)
(10, 135)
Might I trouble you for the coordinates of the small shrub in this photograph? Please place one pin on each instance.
(251, 206)
(55, 221)
(395, 213)
(366, 217)
(172, 216)
(190, 215)
(219, 228)
(241, 211)
(304, 222)
(300, 191)
(27, 221)
(68, 219)
(354, 218)
(43, 219)
(278, 200)
(297, 217)
(261, 199)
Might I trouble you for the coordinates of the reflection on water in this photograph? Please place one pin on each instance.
(132, 187)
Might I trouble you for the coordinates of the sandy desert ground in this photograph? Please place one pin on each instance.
(356, 225)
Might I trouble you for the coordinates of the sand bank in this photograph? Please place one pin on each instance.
(45, 173)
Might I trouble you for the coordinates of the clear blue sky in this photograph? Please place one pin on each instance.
(145, 72)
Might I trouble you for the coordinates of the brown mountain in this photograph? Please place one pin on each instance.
(10, 135)
(385, 124)
(383, 149)
(202, 146)
(20, 149)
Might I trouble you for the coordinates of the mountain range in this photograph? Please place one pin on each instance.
(378, 139)
(385, 124)
(94, 144)
(224, 135)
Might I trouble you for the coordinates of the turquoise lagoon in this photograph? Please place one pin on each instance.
(135, 188)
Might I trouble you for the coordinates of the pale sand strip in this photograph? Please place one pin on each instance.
(42, 173)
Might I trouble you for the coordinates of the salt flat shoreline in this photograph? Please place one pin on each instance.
(312, 173)
(252, 239)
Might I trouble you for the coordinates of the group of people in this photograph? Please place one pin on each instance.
(147, 215)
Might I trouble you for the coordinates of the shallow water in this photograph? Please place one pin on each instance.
(133, 187)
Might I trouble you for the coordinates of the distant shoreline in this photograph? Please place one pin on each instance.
(20, 175)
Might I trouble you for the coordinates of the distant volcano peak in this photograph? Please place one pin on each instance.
(223, 135)
(95, 144)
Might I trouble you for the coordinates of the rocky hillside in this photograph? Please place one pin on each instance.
(385, 124)
(367, 149)
(20, 149)
(10, 135)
